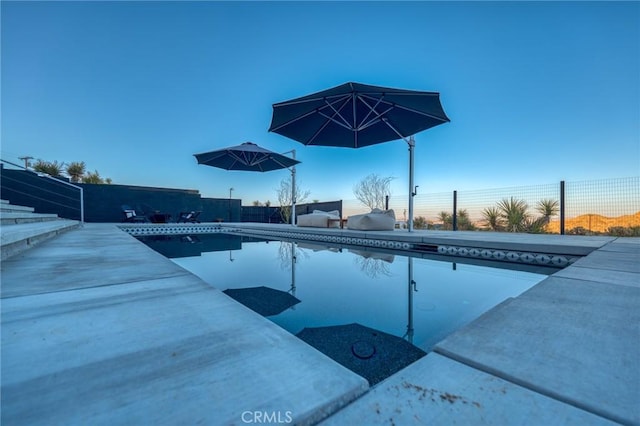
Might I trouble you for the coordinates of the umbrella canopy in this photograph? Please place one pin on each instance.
(356, 115)
(251, 157)
(264, 300)
(247, 156)
(371, 353)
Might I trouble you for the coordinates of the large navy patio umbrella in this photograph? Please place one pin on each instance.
(251, 157)
(355, 115)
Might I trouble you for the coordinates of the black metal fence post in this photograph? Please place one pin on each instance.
(562, 207)
(455, 210)
(386, 202)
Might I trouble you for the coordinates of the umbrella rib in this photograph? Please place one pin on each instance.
(307, 100)
(385, 121)
(344, 123)
(378, 116)
(321, 128)
(372, 109)
(240, 158)
(374, 120)
(328, 104)
(249, 158)
(331, 119)
(257, 159)
(410, 109)
(286, 123)
(404, 107)
(338, 122)
(435, 117)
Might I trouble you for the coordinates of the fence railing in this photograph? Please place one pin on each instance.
(34, 194)
(608, 206)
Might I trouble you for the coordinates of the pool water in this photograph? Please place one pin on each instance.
(419, 300)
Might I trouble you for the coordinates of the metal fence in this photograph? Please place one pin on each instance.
(595, 207)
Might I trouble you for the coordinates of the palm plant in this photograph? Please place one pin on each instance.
(535, 226)
(52, 168)
(514, 213)
(447, 220)
(464, 222)
(547, 208)
(76, 170)
(93, 177)
(492, 218)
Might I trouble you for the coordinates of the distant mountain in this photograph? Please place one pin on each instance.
(595, 222)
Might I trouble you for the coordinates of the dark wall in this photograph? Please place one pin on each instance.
(26, 188)
(103, 203)
(220, 209)
(261, 214)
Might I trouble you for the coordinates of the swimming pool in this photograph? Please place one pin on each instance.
(419, 300)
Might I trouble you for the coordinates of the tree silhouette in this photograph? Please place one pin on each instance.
(372, 191)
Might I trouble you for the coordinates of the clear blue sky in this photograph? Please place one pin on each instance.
(536, 92)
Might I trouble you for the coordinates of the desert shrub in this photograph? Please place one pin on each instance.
(622, 231)
(420, 222)
(579, 230)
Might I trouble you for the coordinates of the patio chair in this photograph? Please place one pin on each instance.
(376, 220)
(190, 216)
(130, 215)
(320, 219)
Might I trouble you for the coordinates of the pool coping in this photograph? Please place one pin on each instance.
(531, 249)
(604, 260)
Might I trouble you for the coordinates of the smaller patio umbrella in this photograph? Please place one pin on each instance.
(247, 156)
(371, 353)
(264, 300)
(251, 157)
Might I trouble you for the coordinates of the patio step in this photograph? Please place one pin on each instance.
(21, 229)
(5, 206)
(16, 218)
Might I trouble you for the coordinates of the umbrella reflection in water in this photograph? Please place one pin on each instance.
(371, 353)
(266, 301)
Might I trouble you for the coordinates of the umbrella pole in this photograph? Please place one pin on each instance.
(412, 288)
(293, 190)
(293, 268)
(412, 144)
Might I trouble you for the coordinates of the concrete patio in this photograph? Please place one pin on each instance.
(97, 328)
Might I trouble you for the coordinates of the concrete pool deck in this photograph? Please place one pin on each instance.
(97, 328)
